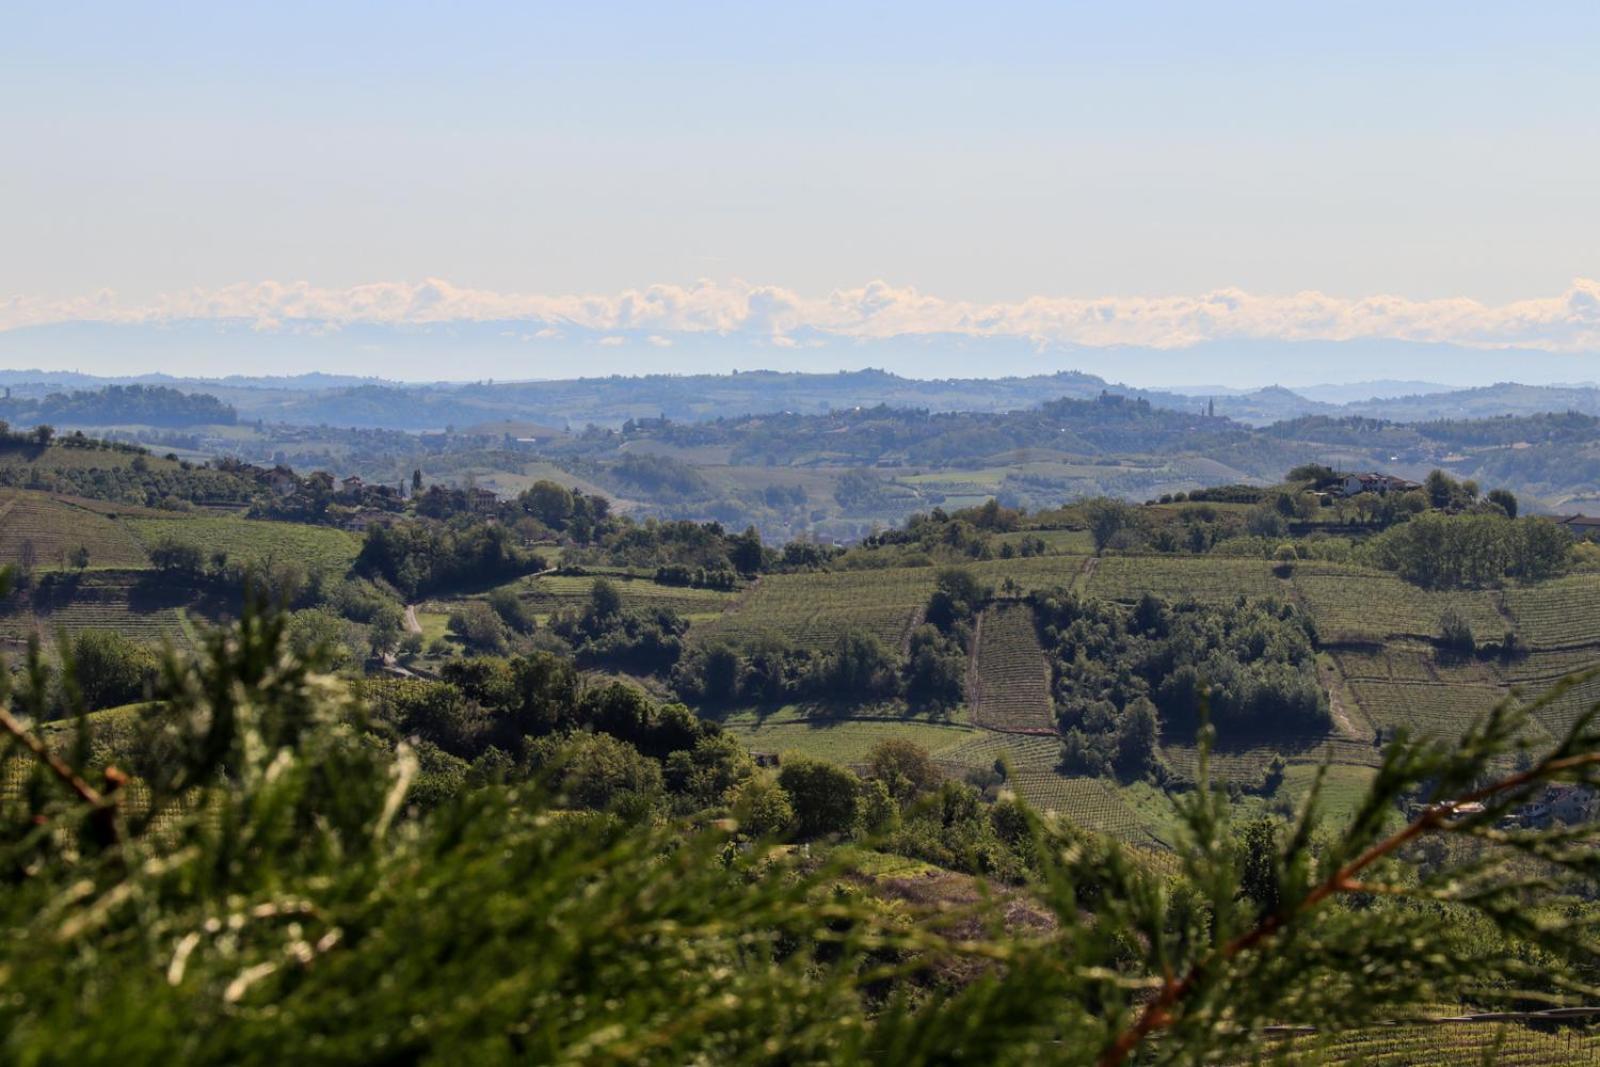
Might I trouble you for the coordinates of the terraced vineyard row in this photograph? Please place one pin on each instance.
(1010, 687)
(813, 609)
(50, 528)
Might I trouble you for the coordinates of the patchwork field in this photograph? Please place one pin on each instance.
(319, 548)
(1009, 684)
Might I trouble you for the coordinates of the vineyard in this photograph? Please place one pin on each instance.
(1010, 679)
(551, 592)
(53, 528)
(813, 609)
(1440, 1045)
(1208, 580)
(1087, 802)
(1361, 606)
(318, 548)
(94, 601)
(1558, 613)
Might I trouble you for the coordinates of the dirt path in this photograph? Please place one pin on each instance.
(1333, 682)
(413, 626)
(1081, 583)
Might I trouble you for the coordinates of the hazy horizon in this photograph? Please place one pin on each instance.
(636, 189)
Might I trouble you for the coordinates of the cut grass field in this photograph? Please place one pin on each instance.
(54, 527)
(844, 741)
(318, 548)
(1010, 679)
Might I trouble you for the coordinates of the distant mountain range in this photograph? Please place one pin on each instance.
(350, 401)
(522, 350)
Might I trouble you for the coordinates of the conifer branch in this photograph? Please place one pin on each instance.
(1159, 1013)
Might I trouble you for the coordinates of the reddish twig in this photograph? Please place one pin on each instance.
(1158, 1014)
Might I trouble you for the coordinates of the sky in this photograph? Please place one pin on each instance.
(1135, 173)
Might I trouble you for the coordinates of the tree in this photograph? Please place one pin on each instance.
(79, 558)
(1506, 500)
(763, 806)
(416, 480)
(479, 628)
(904, 767)
(605, 599)
(1106, 518)
(172, 556)
(745, 552)
(384, 629)
(826, 797)
(110, 669)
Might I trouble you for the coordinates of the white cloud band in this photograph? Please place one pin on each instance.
(1569, 322)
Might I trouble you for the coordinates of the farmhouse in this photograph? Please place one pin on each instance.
(482, 499)
(1355, 484)
(1579, 526)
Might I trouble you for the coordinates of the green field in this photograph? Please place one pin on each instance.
(1354, 605)
(813, 609)
(49, 527)
(94, 601)
(1009, 684)
(549, 592)
(1207, 579)
(845, 741)
(319, 548)
(1558, 613)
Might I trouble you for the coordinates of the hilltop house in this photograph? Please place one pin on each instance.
(1355, 484)
(352, 484)
(482, 499)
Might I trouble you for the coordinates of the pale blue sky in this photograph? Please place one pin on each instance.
(981, 152)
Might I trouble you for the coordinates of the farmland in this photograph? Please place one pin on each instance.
(1355, 605)
(110, 601)
(547, 593)
(1216, 581)
(1010, 679)
(47, 528)
(318, 548)
(846, 741)
(812, 609)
